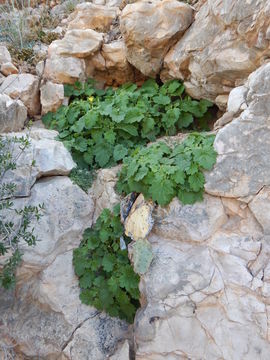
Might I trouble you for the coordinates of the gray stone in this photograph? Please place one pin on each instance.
(226, 42)
(13, 114)
(24, 87)
(43, 157)
(242, 167)
(51, 96)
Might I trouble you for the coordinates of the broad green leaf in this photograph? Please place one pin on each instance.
(162, 191)
(196, 181)
(102, 154)
(133, 115)
(119, 152)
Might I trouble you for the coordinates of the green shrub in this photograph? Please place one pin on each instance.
(162, 172)
(15, 224)
(101, 126)
(106, 277)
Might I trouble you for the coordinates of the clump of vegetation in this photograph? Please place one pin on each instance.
(15, 224)
(162, 172)
(106, 277)
(100, 127)
(82, 177)
(21, 29)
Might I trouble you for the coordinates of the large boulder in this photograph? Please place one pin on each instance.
(45, 317)
(110, 64)
(51, 96)
(206, 293)
(64, 69)
(44, 156)
(227, 41)
(242, 167)
(13, 114)
(91, 16)
(24, 87)
(150, 28)
(77, 43)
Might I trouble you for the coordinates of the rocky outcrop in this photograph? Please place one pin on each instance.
(24, 87)
(45, 318)
(51, 96)
(243, 143)
(87, 52)
(77, 43)
(206, 293)
(227, 41)
(43, 157)
(150, 28)
(92, 16)
(64, 69)
(13, 114)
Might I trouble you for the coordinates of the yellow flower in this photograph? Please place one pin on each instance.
(91, 99)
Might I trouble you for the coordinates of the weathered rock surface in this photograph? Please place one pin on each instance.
(150, 29)
(46, 318)
(51, 96)
(110, 64)
(4, 55)
(228, 40)
(91, 16)
(24, 87)
(50, 158)
(206, 294)
(8, 68)
(64, 69)
(103, 190)
(77, 43)
(13, 114)
(242, 165)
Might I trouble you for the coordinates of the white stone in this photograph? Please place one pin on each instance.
(24, 87)
(51, 96)
(13, 114)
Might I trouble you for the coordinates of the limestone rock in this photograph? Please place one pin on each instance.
(110, 64)
(64, 69)
(13, 114)
(209, 279)
(139, 222)
(51, 96)
(103, 190)
(193, 223)
(8, 68)
(2, 78)
(45, 317)
(150, 29)
(202, 289)
(4, 55)
(122, 353)
(237, 99)
(24, 87)
(77, 43)
(50, 158)
(91, 16)
(242, 167)
(226, 42)
(260, 206)
(117, 67)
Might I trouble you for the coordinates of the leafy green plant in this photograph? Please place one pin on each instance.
(82, 177)
(100, 127)
(15, 224)
(106, 277)
(162, 172)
